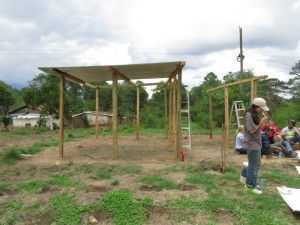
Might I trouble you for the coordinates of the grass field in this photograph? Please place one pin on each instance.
(136, 192)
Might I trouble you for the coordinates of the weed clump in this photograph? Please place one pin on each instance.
(12, 154)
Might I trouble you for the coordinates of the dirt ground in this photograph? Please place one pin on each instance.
(151, 153)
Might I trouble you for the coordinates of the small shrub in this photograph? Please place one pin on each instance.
(6, 120)
(12, 154)
(123, 208)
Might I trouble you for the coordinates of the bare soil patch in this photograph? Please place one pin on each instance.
(83, 157)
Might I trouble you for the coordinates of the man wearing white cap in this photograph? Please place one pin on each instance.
(252, 140)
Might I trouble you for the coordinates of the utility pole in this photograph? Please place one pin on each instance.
(241, 57)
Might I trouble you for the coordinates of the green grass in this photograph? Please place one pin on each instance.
(14, 153)
(103, 174)
(207, 181)
(115, 182)
(11, 155)
(14, 205)
(160, 182)
(282, 178)
(62, 180)
(252, 210)
(123, 208)
(107, 171)
(4, 186)
(66, 211)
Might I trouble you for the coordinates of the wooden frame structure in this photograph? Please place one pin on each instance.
(225, 129)
(172, 91)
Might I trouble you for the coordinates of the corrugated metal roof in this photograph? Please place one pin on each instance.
(131, 71)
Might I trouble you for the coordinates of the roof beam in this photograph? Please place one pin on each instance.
(123, 76)
(150, 84)
(238, 82)
(73, 79)
(175, 72)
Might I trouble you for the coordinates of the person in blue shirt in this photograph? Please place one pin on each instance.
(239, 147)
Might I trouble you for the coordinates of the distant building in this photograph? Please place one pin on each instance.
(104, 118)
(28, 116)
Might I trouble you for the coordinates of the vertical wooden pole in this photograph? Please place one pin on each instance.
(97, 112)
(138, 112)
(223, 149)
(115, 116)
(174, 116)
(253, 89)
(61, 116)
(226, 121)
(170, 113)
(166, 112)
(210, 116)
(178, 119)
(241, 57)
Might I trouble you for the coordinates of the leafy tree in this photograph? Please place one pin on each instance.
(44, 90)
(105, 97)
(272, 91)
(294, 83)
(6, 98)
(200, 102)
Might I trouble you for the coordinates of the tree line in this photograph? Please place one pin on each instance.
(281, 96)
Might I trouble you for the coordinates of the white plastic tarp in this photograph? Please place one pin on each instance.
(291, 196)
(298, 169)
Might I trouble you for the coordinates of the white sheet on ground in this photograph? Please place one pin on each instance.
(291, 196)
(298, 169)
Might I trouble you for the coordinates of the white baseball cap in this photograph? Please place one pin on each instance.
(261, 102)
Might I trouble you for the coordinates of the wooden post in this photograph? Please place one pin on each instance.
(138, 113)
(174, 116)
(166, 112)
(222, 166)
(210, 116)
(253, 89)
(97, 112)
(226, 121)
(115, 116)
(61, 116)
(178, 119)
(170, 113)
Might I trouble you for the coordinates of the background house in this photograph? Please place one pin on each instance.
(28, 116)
(88, 118)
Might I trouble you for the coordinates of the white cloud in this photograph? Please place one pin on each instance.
(202, 33)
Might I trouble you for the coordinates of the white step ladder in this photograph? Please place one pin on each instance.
(186, 119)
(239, 109)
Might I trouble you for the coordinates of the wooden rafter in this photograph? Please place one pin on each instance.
(238, 82)
(178, 68)
(73, 79)
(121, 75)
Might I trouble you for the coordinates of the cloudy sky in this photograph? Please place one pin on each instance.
(203, 33)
